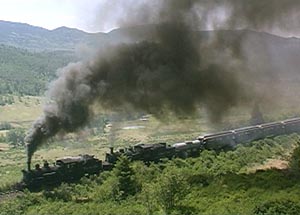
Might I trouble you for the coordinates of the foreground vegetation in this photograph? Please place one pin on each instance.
(213, 183)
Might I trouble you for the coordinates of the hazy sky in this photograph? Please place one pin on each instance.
(51, 14)
(87, 15)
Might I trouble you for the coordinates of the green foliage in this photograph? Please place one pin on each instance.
(125, 178)
(278, 207)
(5, 126)
(6, 100)
(62, 193)
(27, 73)
(213, 183)
(16, 136)
(20, 204)
(295, 160)
(171, 189)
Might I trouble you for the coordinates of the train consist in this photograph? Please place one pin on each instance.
(70, 169)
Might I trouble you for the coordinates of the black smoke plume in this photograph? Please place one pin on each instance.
(174, 70)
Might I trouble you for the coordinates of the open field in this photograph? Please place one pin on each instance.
(23, 111)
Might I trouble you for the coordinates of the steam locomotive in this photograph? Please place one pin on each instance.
(70, 169)
(67, 169)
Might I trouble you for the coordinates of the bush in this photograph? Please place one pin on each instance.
(5, 126)
(282, 207)
(62, 193)
(294, 163)
(16, 137)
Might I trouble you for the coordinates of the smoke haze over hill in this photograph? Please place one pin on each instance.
(172, 69)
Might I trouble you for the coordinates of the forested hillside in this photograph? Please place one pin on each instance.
(30, 56)
(27, 73)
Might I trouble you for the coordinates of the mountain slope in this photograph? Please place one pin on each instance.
(37, 38)
(24, 72)
(275, 57)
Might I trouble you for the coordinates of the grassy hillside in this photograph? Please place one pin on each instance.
(23, 109)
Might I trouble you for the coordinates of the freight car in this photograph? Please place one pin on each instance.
(227, 140)
(70, 169)
(221, 141)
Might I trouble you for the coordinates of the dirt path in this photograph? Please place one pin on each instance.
(270, 164)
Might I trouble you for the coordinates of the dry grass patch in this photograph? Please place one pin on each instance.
(28, 109)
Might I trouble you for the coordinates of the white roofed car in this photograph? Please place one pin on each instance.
(179, 144)
(188, 144)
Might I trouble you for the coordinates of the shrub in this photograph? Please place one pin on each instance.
(16, 137)
(282, 207)
(294, 163)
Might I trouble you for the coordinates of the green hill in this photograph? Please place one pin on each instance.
(27, 73)
(30, 56)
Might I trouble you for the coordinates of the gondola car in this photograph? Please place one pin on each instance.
(248, 134)
(220, 141)
(292, 125)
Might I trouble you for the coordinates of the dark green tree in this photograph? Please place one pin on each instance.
(125, 177)
(294, 163)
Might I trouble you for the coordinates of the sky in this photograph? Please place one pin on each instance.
(87, 15)
(51, 14)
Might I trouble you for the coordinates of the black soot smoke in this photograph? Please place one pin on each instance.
(172, 71)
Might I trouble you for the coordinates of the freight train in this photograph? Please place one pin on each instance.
(71, 169)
